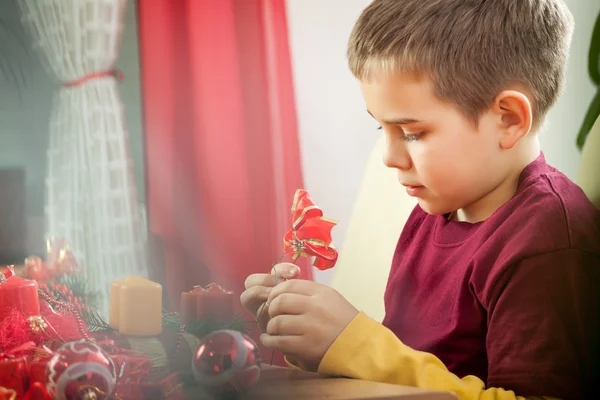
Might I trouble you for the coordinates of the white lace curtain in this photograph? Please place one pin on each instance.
(91, 197)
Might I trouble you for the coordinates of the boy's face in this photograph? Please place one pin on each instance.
(442, 158)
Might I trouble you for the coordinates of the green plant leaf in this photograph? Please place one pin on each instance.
(589, 120)
(593, 111)
(594, 54)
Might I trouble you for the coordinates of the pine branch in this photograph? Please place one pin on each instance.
(94, 321)
(205, 326)
(80, 288)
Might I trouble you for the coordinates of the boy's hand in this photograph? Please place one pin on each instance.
(306, 318)
(258, 287)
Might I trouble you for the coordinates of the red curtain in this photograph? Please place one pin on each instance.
(221, 137)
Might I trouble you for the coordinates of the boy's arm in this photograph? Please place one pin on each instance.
(369, 351)
(542, 337)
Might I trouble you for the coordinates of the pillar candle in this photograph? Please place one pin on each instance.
(21, 294)
(136, 306)
(115, 296)
(188, 307)
(212, 302)
(215, 303)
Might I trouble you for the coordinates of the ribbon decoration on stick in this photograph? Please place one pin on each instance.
(310, 235)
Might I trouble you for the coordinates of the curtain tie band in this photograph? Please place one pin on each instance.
(94, 75)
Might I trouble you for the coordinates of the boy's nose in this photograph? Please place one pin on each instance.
(396, 156)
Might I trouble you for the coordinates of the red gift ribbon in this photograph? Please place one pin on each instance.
(19, 351)
(311, 233)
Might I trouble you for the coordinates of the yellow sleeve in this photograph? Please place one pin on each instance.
(369, 351)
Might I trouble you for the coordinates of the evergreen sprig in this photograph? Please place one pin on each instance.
(205, 326)
(80, 288)
(94, 321)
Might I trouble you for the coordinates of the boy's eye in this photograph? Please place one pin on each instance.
(409, 137)
(412, 137)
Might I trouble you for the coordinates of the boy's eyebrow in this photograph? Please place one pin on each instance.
(400, 121)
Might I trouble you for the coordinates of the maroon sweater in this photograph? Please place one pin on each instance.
(513, 300)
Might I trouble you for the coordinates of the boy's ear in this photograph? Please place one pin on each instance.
(516, 116)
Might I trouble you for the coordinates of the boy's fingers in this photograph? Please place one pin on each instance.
(260, 280)
(279, 273)
(285, 271)
(285, 325)
(288, 303)
(284, 344)
(255, 294)
(297, 286)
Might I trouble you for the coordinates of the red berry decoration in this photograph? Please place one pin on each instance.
(227, 362)
(81, 370)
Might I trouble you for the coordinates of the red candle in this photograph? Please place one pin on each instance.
(188, 308)
(21, 294)
(212, 302)
(215, 303)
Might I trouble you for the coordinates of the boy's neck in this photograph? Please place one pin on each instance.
(483, 208)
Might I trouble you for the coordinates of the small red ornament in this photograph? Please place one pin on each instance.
(81, 370)
(227, 362)
(59, 262)
(7, 272)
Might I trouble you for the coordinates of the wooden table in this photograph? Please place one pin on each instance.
(289, 384)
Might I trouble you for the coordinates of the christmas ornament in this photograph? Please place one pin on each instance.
(81, 371)
(6, 273)
(59, 262)
(227, 362)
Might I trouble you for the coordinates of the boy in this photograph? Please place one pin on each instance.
(493, 288)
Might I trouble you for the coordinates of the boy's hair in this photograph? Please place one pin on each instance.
(470, 49)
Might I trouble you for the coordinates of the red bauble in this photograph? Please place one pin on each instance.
(80, 370)
(227, 361)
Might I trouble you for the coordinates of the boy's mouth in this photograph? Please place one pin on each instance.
(413, 190)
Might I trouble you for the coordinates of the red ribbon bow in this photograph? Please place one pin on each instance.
(310, 235)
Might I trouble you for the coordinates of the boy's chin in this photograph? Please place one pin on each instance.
(434, 209)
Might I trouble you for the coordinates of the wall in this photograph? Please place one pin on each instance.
(25, 111)
(336, 133)
(564, 120)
